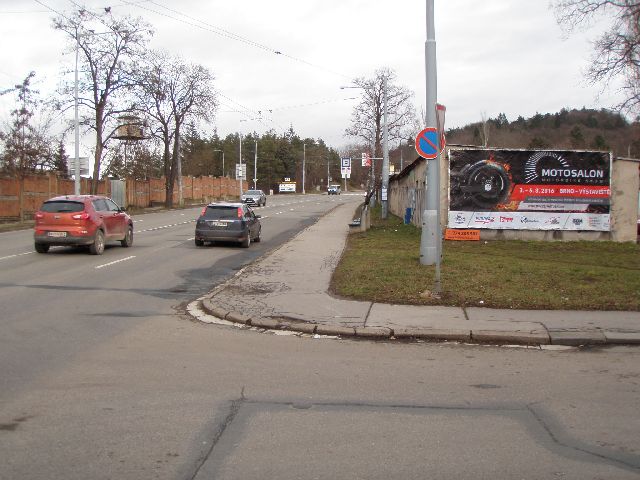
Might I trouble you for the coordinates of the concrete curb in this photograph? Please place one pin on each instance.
(491, 337)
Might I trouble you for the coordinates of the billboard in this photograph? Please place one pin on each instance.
(529, 189)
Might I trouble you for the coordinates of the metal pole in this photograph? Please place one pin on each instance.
(401, 161)
(304, 158)
(223, 164)
(255, 168)
(239, 174)
(328, 175)
(77, 124)
(385, 155)
(180, 192)
(431, 239)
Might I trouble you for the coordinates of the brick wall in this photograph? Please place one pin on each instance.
(35, 189)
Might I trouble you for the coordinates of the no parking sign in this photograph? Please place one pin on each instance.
(427, 144)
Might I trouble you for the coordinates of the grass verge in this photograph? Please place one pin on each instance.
(382, 265)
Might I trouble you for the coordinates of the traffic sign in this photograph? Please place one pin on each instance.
(366, 160)
(241, 171)
(427, 144)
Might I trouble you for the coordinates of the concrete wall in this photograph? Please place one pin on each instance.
(625, 187)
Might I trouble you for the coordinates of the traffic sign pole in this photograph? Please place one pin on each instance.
(431, 237)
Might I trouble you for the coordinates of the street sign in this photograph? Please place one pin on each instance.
(345, 167)
(241, 171)
(366, 160)
(427, 143)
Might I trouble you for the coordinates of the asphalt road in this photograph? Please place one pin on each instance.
(64, 302)
(104, 377)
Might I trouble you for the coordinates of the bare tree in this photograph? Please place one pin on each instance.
(617, 51)
(109, 48)
(172, 93)
(366, 119)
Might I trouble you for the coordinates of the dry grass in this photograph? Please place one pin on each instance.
(382, 265)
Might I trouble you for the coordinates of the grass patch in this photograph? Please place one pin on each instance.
(382, 265)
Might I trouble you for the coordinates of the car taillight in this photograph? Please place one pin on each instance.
(39, 215)
(81, 216)
(240, 212)
(203, 211)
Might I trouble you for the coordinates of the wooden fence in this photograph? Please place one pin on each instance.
(26, 196)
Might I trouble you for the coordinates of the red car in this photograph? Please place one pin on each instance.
(81, 220)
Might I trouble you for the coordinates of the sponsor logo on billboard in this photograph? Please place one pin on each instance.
(484, 219)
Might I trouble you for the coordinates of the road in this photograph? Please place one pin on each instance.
(59, 304)
(104, 376)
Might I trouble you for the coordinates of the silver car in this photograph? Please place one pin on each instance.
(254, 198)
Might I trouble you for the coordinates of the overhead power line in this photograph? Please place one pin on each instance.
(195, 22)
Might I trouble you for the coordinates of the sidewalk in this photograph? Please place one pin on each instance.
(287, 290)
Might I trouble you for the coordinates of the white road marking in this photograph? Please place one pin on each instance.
(113, 263)
(16, 255)
(164, 226)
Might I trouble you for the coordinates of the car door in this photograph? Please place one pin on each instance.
(117, 219)
(109, 222)
(250, 218)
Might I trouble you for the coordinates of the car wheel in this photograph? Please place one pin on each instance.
(246, 242)
(97, 247)
(42, 247)
(199, 243)
(127, 241)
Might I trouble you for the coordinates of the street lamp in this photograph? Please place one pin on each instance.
(76, 123)
(304, 158)
(218, 150)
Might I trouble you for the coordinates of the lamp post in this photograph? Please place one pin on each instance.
(239, 173)
(218, 150)
(431, 235)
(76, 123)
(304, 157)
(255, 168)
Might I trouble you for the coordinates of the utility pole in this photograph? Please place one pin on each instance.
(77, 124)
(431, 239)
(328, 160)
(304, 158)
(239, 173)
(385, 155)
(255, 168)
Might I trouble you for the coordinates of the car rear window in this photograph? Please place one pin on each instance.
(254, 192)
(221, 213)
(62, 206)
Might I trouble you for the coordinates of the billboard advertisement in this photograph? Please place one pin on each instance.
(529, 189)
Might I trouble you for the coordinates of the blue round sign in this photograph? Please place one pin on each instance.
(427, 143)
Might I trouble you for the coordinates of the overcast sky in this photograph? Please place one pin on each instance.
(493, 56)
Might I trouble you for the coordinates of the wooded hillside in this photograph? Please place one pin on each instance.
(569, 129)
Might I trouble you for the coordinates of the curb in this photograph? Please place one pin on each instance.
(491, 337)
